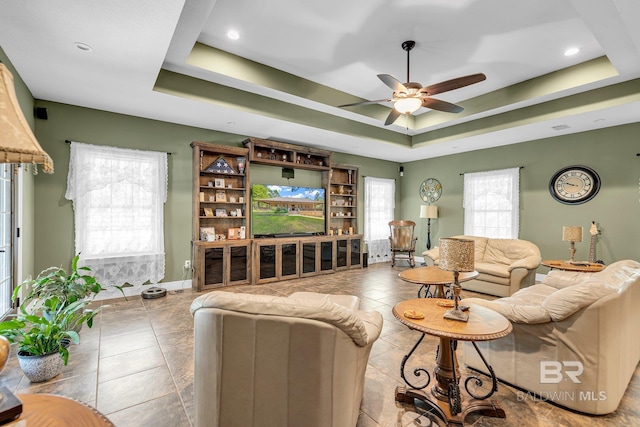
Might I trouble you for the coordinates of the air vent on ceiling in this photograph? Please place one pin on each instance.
(560, 127)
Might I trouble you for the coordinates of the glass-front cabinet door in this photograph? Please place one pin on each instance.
(289, 260)
(239, 263)
(309, 262)
(355, 244)
(214, 266)
(342, 246)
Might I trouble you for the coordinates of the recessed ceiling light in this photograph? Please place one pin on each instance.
(231, 123)
(83, 47)
(233, 34)
(571, 51)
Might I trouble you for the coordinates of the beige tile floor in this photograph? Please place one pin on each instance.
(136, 365)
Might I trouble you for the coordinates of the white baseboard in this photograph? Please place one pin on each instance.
(135, 291)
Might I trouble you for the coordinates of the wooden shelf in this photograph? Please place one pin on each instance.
(282, 154)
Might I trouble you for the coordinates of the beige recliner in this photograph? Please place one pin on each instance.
(280, 361)
(505, 265)
(574, 340)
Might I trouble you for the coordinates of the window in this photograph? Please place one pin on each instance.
(6, 241)
(379, 204)
(118, 199)
(491, 203)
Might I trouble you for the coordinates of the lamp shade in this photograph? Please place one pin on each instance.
(408, 105)
(18, 144)
(456, 254)
(428, 211)
(572, 234)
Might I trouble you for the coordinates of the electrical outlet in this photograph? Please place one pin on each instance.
(187, 264)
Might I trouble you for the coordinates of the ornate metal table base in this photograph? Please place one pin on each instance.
(447, 400)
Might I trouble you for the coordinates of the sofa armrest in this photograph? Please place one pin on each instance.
(530, 263)
(373, 322)
(431, 255)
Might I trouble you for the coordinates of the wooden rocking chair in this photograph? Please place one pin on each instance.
(402, 241)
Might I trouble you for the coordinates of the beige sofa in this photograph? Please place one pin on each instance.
(574, 340)
(280, 361)
(505, 265)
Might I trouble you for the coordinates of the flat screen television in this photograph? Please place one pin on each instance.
(280, 210)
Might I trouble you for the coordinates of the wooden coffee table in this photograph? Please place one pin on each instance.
(428, 276)
(48, 410)
(583, 267)
(447, 400)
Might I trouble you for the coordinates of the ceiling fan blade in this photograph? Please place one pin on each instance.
(393, 83)
(453, 84)
(365, 103)
(437, 104)
(392, 117)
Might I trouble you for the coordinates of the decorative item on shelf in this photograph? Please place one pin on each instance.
(243, 232)
(259, 155)
(242, 162)
(202, 196)
(234, 233)
(221, 196)
(220, 166)
(210, 184)
(298, 161)
(221, 237)
(232, 199)
(233, 213)
(229, 186)
(212, 198)
(339, 231)
(238, 212)
(219, 183)
(430, 212)
(272, 156)
(456, 255)
(350, 174)
(240, 199)
(572, 234)
(350, 230)
(221, 213)
(341, 189)
(208, 212)
(207, 234)
(284, 157)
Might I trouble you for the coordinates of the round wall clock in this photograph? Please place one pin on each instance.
(574, 185)
(430, 190)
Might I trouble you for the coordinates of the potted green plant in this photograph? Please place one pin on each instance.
(43, 340)
(56, 282)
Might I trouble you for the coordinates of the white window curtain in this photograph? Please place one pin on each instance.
(492, 203)
(379, 204)
(118, 199)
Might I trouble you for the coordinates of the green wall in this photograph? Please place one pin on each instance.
(616, 208)
(54, 214)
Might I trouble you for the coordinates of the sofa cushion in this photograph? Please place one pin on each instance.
(498, 270)
(351, 302)
(321, 309)
(560, 279)
(564, 302)
(506, 251)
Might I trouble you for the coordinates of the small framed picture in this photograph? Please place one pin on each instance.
(219, 182)
(240, 199)
(208, 212)
(234, 233)
(232, 199)
(221, 212)
(208, 234)
(221, 196)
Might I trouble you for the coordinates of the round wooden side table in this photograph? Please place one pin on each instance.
(428, 276)
(583, 267)
(49, 410)
(446, 398)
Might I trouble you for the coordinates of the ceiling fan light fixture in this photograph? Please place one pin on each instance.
(407, 105)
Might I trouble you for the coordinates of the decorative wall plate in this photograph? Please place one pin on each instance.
(430, 190)
(574, 185)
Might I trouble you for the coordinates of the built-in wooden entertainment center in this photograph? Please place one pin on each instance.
(224, 251)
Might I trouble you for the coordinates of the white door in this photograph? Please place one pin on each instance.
(6, 231)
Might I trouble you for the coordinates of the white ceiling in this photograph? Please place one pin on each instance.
(332, 43)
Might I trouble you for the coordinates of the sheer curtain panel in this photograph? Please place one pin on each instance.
(118, 200)
(492, 203)
(379, 204)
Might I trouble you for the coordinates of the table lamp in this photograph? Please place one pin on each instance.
(430, 212)
(572, 234)
(456, 255)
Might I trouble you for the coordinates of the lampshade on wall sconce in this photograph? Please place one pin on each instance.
(18, 144)
(456, 255)
(572, 234)
(430, 212)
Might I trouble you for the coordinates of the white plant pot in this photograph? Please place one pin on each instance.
(40, 368)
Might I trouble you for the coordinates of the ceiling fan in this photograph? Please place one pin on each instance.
(409, 96)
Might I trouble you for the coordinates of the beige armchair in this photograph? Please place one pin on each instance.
(402, 241)
(574, 339)
(280, 361)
